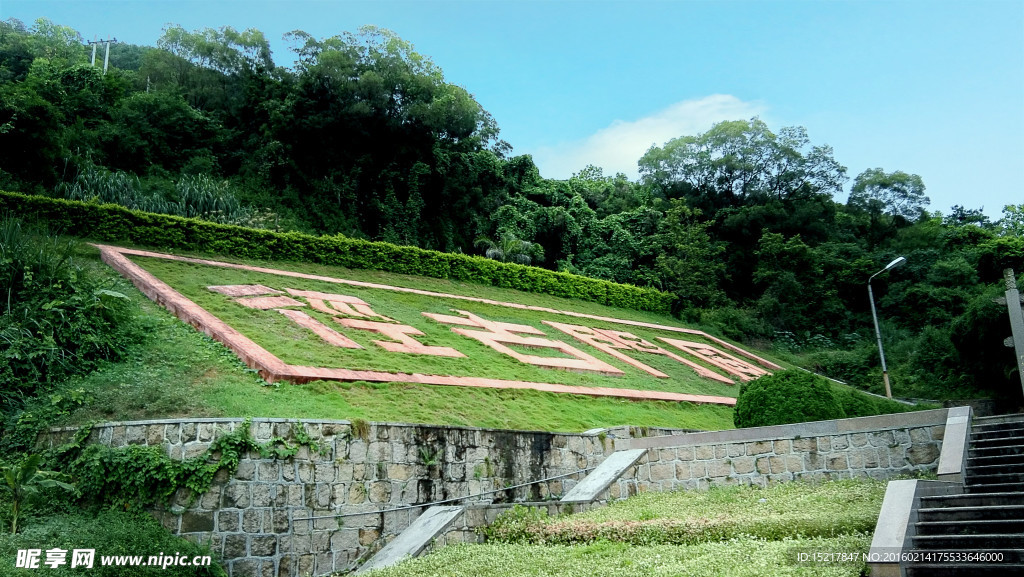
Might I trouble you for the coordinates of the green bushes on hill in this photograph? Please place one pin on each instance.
(786, 397)
(797, 396)
(116, 224)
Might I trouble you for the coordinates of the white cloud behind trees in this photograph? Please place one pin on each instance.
(618, 147)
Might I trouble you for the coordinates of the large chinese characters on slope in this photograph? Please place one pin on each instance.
(341, 321)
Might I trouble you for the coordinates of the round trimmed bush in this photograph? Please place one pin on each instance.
(786, 397)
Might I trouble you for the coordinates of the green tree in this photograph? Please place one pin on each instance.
(159, 130)
(896, 193)
(16, 51)
(1012, 223)
(689, 261)
(56, 43)
(739, 162)
(960, 216)
(211, 67)
(381, 124)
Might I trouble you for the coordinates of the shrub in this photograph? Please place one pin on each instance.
(850, 366)
(116, 224)
(517, 525)
(858, 404)
(786, 397)
(56, 319)
(735, 323)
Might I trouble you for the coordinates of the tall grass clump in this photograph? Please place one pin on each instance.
(195, 196)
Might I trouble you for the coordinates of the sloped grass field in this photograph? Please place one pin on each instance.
(736, 531)
(177, 371)
(298, 346)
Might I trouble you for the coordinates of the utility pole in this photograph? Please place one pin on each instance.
(106, 57)
(1013, 302)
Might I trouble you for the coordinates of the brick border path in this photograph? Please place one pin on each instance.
(274, 369)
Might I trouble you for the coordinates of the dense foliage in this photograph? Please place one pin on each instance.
(363, 137)
(56, 319)
(145, 476)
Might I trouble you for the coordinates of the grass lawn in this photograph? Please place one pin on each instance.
(782, 511)
(175, 371)
(725, 531)
(298, 346)
(740, 557)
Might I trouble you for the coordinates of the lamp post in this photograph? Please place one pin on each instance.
(874, 315)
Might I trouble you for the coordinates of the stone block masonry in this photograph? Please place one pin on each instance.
(878, 447)
(314, 514)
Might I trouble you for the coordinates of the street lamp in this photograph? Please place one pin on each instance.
(874, 315)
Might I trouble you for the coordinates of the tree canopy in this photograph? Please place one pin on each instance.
(363, 136)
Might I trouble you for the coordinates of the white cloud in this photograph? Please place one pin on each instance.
(618, 147)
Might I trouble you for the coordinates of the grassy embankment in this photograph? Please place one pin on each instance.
(176, 371)
(298, 346)
(723, 532)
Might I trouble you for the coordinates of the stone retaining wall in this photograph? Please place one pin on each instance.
(298, 516)
(878, 447)
(321, 513)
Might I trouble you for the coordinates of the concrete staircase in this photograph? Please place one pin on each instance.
(987, 519)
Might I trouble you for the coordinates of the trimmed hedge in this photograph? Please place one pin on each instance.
(113, 223)
(786, 397)
(795, 396)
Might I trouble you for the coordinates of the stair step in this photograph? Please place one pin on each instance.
(995, 468)
(998, 420)
(977, 527)
(978, 499)
(994, 488)
(1000, 441)
(989, 451)
(1017, 430)
(971, 513)
(970, 542)
(994, 460)
(996, 479)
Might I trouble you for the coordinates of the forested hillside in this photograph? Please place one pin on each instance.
(362, 136)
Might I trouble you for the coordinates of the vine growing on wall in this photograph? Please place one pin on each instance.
(141, 476)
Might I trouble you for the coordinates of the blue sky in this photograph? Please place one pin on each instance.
(928, 87)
